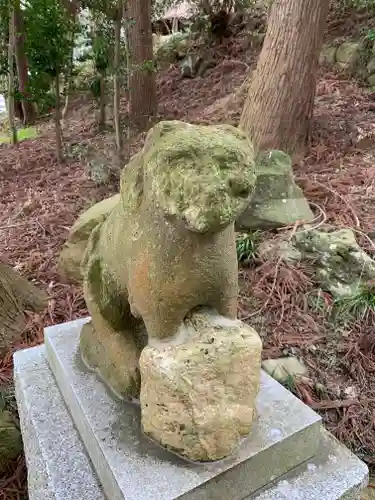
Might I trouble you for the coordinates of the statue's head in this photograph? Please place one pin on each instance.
(201, 175)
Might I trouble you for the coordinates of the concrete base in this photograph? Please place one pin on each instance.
(285, 434)
(58, 467)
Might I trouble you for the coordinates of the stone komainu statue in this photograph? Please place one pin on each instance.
(167, 247)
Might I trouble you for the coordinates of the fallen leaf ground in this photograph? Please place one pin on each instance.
(40, 200)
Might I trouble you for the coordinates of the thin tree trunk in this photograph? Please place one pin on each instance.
(102, 117)
(68, 84)
(12, 127)
(279, 107)
(72, 9)
(22, 66)
(127, 51)
(116, 80)
(59, 152)
(142, 92)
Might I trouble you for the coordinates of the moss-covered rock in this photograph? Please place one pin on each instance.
(277, 200)
(348, 55)
(328, 54)
(341, 266)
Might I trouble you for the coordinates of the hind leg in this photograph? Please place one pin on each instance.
(113, 348)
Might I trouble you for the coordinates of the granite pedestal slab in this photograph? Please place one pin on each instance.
(59, 468)
(285, 434)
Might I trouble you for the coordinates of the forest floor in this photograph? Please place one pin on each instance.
(40, 200)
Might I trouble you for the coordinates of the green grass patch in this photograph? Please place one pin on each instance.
(22, 135)
(247, 246)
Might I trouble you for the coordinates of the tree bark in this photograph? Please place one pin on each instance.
(22, 66)
(102, 101)
(59, 152)
(278, 110)
(72, 8)
(16, 296)
(12, 127)
(116, 80)
(142, 92)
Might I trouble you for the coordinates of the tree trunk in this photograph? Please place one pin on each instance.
(12, 127)
(116, 80)
(16, 296)
(279, 106)
(72, 9)
(68, 83)
(59, 152)
(22, 66)
(142, 92)
(102, 117)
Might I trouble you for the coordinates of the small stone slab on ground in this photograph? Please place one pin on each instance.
(59, 468)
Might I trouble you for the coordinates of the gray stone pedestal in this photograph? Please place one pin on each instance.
(81, 443)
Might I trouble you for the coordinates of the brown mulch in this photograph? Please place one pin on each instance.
(40, 200)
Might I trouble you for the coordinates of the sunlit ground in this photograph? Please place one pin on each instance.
(22, 134)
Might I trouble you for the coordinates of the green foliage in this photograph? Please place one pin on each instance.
(356, 307)
(4, 30)
(289, 383)
(343, 5)
(22, 135)
(246, 246)
(49, 41)
(371, 35)
(102, 44)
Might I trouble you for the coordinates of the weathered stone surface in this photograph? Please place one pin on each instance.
(73, 250)
(198, 391)
(285, 434)
(283, 368)
(283, 249)
(58, 467)
(333, 474)
(168, 246)
(277, 200)
(371, 66)
(342, 267)
(371, 80)
(10, 439)
(173, 47)
(369, 493)
(348, 55)
(328, 54)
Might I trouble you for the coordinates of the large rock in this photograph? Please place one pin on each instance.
(198, 390)
(10, 439)
(168, 245)
(73, 250)
(371, 66)
(348, 55)
(328, 54)
(283, 368)
(277, 200)
(341, 266)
